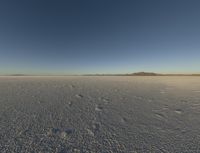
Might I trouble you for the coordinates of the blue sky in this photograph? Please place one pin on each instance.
(115, 36)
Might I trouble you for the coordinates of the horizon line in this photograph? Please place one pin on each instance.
(110, 74)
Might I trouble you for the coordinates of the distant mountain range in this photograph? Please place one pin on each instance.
(145, 74)
(142, 74)
(159, 74)
(128, 74)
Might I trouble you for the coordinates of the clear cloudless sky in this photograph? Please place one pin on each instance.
(99, 36)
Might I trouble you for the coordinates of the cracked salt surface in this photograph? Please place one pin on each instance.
(99, 114)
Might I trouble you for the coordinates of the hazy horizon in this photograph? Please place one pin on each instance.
(104, 37)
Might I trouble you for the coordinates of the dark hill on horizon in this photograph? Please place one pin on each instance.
(145, 74)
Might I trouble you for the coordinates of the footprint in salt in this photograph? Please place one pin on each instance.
(178, 111)
(98, 108)
(94, 130)
(160, 116)
(71, 86)
(123, 120)
(79, 96)
(105, 100)
(70, 103)
(62, 133)
(162, 92)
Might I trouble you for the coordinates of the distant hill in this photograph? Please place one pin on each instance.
(145, 74)
(158, 74)
(18, 75)
(195, 74)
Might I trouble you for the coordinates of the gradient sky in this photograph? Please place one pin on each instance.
(99, 36)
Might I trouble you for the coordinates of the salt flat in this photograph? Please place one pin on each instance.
(99, 114)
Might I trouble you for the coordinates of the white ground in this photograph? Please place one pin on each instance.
(99, 114)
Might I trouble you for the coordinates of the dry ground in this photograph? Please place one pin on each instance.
(99, 114)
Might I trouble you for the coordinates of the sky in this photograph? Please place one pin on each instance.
(99, 36)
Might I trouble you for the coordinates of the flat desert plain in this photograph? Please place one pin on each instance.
(99, 114)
